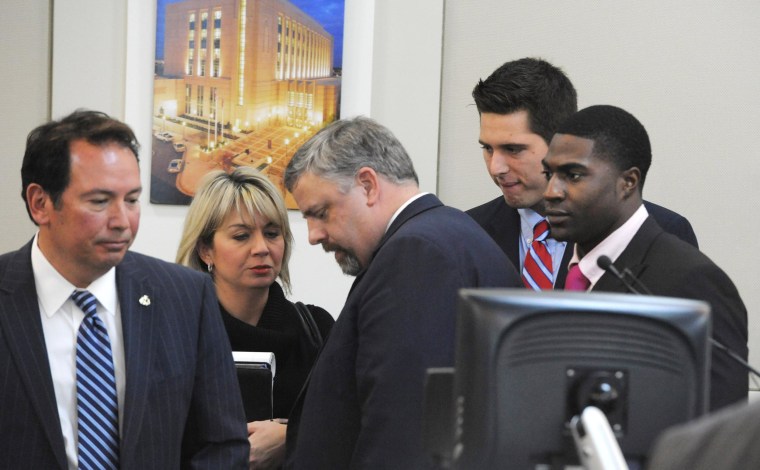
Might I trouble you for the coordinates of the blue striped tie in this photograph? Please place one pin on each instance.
(97, 410)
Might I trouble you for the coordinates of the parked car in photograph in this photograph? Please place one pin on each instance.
(176, 165)
(165, 136)
(179, 147)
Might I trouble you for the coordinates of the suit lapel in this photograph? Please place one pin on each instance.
(137, 300)
(504, 225)
(559, 283)
(420, 205)
(20, 321)
(632, 258)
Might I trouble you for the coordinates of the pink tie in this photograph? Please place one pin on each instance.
(537, 268)
(576, 280)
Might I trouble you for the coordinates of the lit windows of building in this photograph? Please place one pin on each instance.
(241, 56)
(216, 67)
(199, 101)
(190, 43)
(212, 101)
(254, 53)
(204, 39)
(278, 65)
(190, 54)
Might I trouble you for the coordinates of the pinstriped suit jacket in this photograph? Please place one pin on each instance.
(182, 405)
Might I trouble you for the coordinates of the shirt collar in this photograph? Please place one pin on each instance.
(53, 290)
(528, 219)
(612, 246)
(403, 206)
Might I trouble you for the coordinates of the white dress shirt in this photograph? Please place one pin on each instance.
(60, 324)
(612, 246)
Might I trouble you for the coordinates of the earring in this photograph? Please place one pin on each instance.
(210, 267)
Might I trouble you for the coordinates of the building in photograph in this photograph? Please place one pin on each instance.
(242, 82)
(246, 64)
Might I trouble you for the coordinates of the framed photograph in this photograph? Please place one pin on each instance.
(240, 83)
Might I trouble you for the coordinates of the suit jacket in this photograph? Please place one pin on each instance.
(503, 224)
(670, 267)
(363, 405)
(726, 440)
(182, 407)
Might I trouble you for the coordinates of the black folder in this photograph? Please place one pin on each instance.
(255, 373)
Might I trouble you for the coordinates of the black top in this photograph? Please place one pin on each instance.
(279, 331)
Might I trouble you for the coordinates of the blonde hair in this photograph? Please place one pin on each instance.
(245, 190)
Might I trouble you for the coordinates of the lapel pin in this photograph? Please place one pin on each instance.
(144, 300)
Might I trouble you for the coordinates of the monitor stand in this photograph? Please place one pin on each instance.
(595, 442)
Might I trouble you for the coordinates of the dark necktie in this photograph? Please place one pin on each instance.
(576, 280)
(97, 409)
(537, 270)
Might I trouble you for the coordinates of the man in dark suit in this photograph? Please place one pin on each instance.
(520, 106)
(596, 166)
(726, 440)
(357, 189)
(166, 392)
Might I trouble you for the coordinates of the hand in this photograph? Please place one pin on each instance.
(267, 439)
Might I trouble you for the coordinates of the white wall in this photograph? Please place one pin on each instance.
(25, 79)
(88, 66)
(687, 69)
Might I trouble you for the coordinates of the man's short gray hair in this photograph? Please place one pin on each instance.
(338, 151)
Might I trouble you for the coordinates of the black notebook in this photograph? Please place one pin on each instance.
(255, 372)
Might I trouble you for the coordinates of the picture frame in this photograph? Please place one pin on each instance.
(218, 106)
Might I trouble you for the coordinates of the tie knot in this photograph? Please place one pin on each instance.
(85, 301)
(541, 231)
(576, 280)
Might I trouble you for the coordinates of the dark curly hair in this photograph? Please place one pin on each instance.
(618, 136)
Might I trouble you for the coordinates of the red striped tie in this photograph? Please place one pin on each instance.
(537, 269)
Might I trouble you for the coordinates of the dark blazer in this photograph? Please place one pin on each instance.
(670, 267)
(363, 405)
(182, 406)
(726, 440)
(503, 224)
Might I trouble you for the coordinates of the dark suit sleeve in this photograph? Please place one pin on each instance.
(406, 326)
(678, 270)
(726, 440)
(728, 378)
(215, 435)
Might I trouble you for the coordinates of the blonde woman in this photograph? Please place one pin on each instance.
(237, 230)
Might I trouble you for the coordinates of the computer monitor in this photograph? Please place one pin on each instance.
(527, 362)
